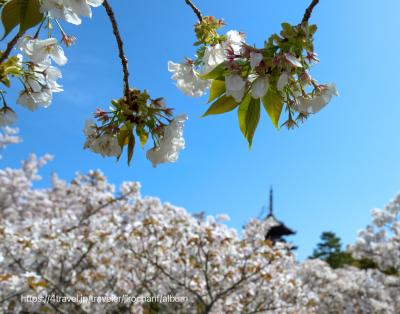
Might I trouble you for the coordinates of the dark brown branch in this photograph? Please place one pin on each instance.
(120, 43)
(195, 9)
(10, 46)
(307, 13)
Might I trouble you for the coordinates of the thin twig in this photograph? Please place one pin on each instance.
(307, 13)
(95, 211)
(10, 46)
(120, 43)
(195, 9)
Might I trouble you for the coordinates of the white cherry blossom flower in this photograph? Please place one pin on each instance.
(31, 99)
(7, 116)
(292, 60)
(47, 76)
(313, 104)
(260, 87)
(187, 79)
(234, 40)
(59, 9)
(83, 7)
(40, 51)
(282, 81)
(255, 59)
(171, 143)
(235, 86)
(106, 145)
(39, 89)
(70, 10)
(213, 56)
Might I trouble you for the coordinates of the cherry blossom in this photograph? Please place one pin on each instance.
(235, 86)
(7, 116)
(260, 87)
(171, 143)
(187, 79)
(313, 104)
(42, 50)
(69, 10)
(86, 237)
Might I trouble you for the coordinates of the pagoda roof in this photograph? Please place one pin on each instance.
(277, 229)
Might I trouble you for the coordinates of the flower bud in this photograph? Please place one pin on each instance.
(7, 116)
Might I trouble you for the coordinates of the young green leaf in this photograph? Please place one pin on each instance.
(222, 105)
(10, 16)
(216, 90)
(249, 116)
(143, 136)
(26, 13)
(273, 104)
(30, 14)
(123, 136)
(131, 146)
(216, 73)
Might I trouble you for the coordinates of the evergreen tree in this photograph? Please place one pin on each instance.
(330, 250)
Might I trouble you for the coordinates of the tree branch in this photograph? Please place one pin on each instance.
(10, 46)
(120, 43)
(307, 13)
(195, 9)
(86, 216)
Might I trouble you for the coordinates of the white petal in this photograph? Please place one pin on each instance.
(282, 81)
(293, 60)
(234, 82)
(57, 54)
(260, 87)
(236, 94)
(95, 3)
(255, 59)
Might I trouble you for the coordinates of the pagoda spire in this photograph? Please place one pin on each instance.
(271, 202)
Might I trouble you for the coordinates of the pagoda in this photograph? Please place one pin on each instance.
(278, 229)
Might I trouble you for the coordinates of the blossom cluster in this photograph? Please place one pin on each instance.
(349, 289)
(137, 113)
(242, 76)
(37, 74)
(40, 79)
(380, 241)
(85, 238)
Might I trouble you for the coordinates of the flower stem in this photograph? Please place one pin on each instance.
(195, 9)
(124, 60)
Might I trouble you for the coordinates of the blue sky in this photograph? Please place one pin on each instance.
(327, 174)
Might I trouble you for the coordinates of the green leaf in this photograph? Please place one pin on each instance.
(222, 105)
(131, 146)
(217, 89)
(143, 136)
(312, 29)
(26, 13)
(30, 14)
(10, 16)
(273, 104)
(249, 116)
(216, 73)
(123, 136)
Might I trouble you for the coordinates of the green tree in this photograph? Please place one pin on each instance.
(330, 250)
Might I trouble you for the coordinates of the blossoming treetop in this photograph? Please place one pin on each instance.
(237, 75)
(82, 238)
